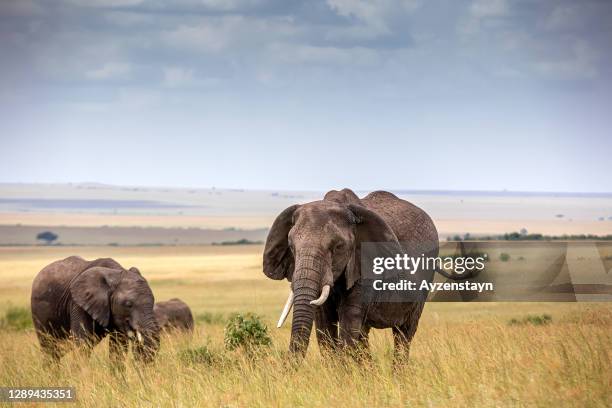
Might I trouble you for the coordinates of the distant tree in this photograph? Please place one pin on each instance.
(513, 236)
(47, 236)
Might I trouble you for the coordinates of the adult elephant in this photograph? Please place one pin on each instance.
(316, 246)
(174, 314)
(83, 301)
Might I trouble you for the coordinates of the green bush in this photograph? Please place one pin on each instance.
(246, 331)
(504, 257)
(536, 320)
(16, 318)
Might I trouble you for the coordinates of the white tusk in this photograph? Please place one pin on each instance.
(286, 310)
(130, 334)
(139, 337)
(323, 297)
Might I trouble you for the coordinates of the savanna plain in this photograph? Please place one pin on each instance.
(464, 354)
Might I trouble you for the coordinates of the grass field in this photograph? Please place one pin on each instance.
(464, 354)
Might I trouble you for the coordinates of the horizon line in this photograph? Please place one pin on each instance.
(403, 191)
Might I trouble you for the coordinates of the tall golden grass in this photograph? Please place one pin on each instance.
(462, 355)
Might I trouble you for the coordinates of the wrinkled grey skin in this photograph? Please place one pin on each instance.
(318, 243)
(83, 301)
(173, 314)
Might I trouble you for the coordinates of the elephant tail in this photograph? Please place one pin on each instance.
(454, 276)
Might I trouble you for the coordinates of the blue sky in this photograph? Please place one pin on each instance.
(281, 94)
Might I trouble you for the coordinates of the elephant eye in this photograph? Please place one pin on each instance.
(128, 303)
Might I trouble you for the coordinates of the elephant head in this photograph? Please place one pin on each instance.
(121, 301)
(316, 246)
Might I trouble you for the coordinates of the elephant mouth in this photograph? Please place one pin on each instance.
(134, 334)
(145, 340)
(324, 293)
(325, 290)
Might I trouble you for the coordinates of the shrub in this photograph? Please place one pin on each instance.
(247, 332)
(504, 257)
(536, 320)
(16, 318)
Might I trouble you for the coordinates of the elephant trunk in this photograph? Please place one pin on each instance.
(312, 273)
(147, 339)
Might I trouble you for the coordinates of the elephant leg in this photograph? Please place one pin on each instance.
(51, 348)
(401, 341)
(353, 332)
(82, 330)
(364, 337)
(403, 334)
(117, 350)
(361, 350)
(351, 325)
(326, 321)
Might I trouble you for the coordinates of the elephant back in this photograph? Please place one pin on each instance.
(409, 223)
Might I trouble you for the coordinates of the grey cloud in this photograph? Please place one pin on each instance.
(489, 8)
(110, 70)
(214, 43)
(104, 3)
(219, 33)
(20, 8)
(394, 77)
(373, 13)
(579, 63)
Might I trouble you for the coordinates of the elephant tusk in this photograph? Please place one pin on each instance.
(286, 310)
(139, 337)
(323, 297)
(130, 334)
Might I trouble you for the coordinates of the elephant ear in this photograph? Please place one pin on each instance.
(370, 227)
(91, 290)
(278, 260)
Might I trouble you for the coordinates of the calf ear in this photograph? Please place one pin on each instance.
(278, 260)
(91, 290)
(370, 227)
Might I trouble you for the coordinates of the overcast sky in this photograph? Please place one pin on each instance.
(286, 94)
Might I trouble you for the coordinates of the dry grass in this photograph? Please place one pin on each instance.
(463, 354)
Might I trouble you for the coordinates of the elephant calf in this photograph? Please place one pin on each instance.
(83, 301)
(174, 314)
